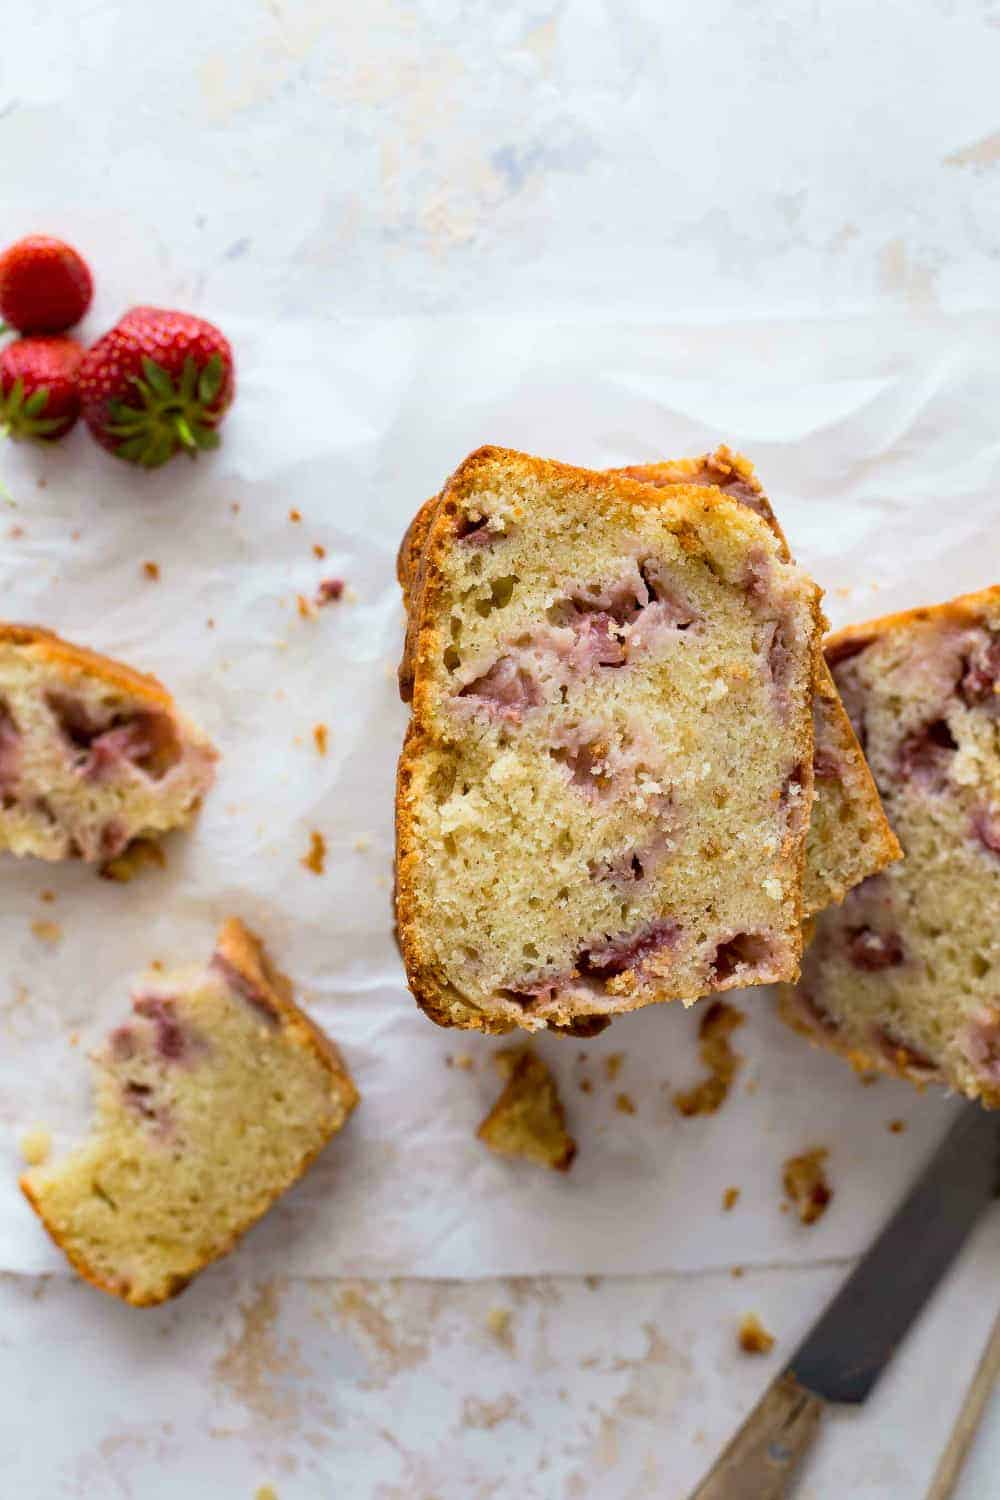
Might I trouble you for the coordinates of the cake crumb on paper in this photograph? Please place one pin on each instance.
(35, 1145)
(151, 570)
(321, 738)
(47, 932)
(730, 1198)
(498, 1323)
(315, 860)
(717, 1025)
(461, 1060)
(294, 515)
(265, 1492)
(330, 591)
(528, 1119)
(613, 1065)
(625, 1104)
(897, 1126)
(363, 843)
(754, 1337)
(806, 1188)
(319, 550)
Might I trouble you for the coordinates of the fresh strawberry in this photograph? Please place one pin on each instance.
(39, 387)
(45, 286)
(158, 382)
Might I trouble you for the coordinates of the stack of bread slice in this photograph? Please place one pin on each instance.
(628, 776)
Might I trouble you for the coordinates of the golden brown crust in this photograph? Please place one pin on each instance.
(966, 609)
(244, 953)
(433, 530)
(52, 648)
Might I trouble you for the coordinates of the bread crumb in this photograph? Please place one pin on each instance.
(46, 896)
(315, 860)
(36, 1144)
(773, 888)
(754, 1337)
(498, 1323)
(265, 1492)
(318, 550)
(461, 1060)
(625, 1104)
(363, 843)
(528, 1119)
(897, 1126)
(304, 608)
(140, 854)
(294, 515)
(210, 623)
(613, 1065)
(717, 1024)
(15, 533)
(329, 591)
(730, 1198)
(151, 570)
(806, 1188)
(320, 734)
(736, 1272)
(235, 507)
(47, 932)
(586, 1087)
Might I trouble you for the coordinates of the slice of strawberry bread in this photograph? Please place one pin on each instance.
(849, 836)
(905, 976)
(604, 791)
(212, 1099)
(92, 753)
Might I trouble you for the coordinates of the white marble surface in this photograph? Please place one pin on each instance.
(704, 161)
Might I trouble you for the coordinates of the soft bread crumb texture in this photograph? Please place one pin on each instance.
(36, 1144)
(584, 825)
(806, 1187)
(211, 1100)
(528, 1119)
(92, 754)
(753, 1336)
(904, 978)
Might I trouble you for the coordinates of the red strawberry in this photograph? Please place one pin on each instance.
(45, 286)
(158, 382)
(39, 387)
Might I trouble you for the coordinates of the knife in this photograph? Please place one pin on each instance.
(846, 1352)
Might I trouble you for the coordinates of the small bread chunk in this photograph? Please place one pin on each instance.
(528, 1119)
(903, 978)
(806, 1188)
(722, 1062)
(849, 836)
(753, 1336)
(92, 754)
(212, 1099)
(603, 796)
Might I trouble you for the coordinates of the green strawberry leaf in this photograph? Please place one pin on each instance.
(189, 381)
(35, 404)
(158, 379)
(210, 380)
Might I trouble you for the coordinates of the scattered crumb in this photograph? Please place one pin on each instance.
(528, 1119)
(157, 965)
(320, 734)
(730, 1198)
(74, 536)
(74, 1039)
(717, 1024)
(866, 1080)
(843, 592)
(140, 854)
(315, 860)
(462, 1060)
(318, 550)
(736, 1272)
(210, 623)
(43, 483)
(265, 1492)
(805, 1184)
(46, 896)
(586, 1087)
(15, 533)
(613, 1065)
(329, 591)
(235, 507)
(593, 1283)
(897, 1126)
(151, 570)
(47, 932)
(625, 1104)
(36, 1144)
(498, 1323)
(754, 1337)
(294, 515)
(363, 843)
(304, 608)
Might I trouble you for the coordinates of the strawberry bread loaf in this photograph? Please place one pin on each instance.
(212, 1099)
(905, 976)
(604, 792)
(92, 753)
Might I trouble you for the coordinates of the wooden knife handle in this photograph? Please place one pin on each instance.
(762, 1460)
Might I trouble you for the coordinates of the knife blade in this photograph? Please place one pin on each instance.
(845, 1353)
(848, 1348)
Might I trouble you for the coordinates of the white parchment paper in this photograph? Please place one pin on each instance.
(877, 442)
